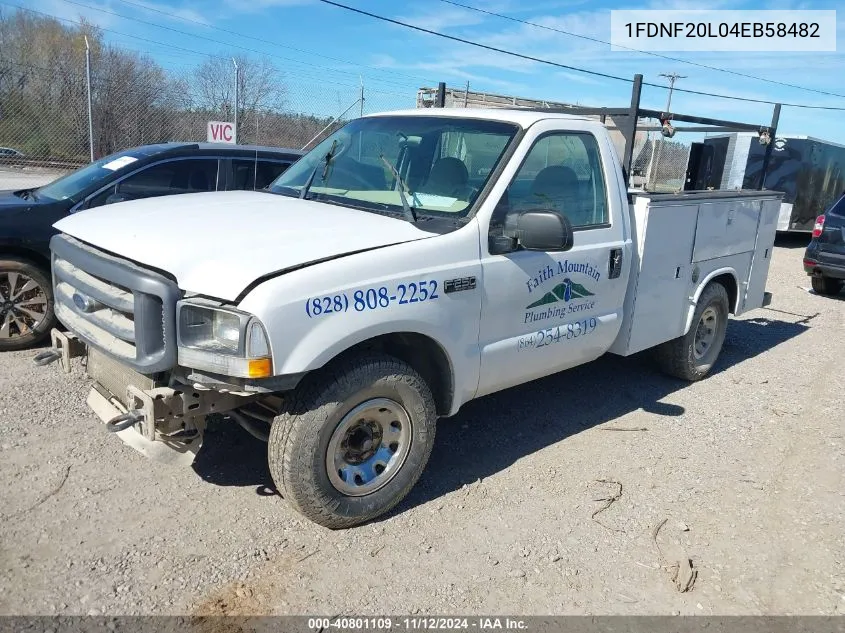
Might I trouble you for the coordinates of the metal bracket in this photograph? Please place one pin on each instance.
(63, 347)
(142, 401)
(69, 345)
(162, 406)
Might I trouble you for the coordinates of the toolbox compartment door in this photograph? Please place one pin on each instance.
(755, 287)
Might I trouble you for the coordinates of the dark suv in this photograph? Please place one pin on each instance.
(27, 215)
(824, 259)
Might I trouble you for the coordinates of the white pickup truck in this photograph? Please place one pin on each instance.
(411, 262)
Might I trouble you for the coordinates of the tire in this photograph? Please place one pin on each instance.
(308, 439)
(826, 285)
(19, 327)
(679, 357)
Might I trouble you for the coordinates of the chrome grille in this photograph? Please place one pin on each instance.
(125, 311)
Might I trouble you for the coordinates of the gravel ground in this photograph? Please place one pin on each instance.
(746, 467)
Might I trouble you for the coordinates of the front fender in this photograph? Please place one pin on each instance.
(312, 353)
(302, 339)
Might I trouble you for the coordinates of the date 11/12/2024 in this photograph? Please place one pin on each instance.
(373, 298)
(558, 334)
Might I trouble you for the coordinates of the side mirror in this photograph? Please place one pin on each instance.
(544, 231)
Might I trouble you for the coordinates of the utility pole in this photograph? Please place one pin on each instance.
(237, 86)
(672, 77)
(88, 82)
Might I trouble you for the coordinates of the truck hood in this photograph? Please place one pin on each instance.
(218, 243)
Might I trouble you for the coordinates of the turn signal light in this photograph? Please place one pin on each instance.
(260, 367)
(817, 229)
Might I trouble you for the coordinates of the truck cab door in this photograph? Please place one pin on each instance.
(545, 311)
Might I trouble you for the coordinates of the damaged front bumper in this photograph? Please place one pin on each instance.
(181, 452)
(162, 420)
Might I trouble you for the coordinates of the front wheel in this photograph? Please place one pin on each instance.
(692, 356)
(26, 304)
(353, 440)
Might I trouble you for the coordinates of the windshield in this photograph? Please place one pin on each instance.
(68, 187)
(441, 164)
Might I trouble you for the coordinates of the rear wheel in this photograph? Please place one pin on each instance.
(826, 285)
(692, 356)
(353, 440)
(26, 304)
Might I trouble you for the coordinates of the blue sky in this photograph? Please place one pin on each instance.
(325, 52)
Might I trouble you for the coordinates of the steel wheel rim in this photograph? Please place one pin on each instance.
(23, 305)
(705, 332)
(368, 447)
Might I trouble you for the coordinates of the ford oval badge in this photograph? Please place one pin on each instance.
(85, 304)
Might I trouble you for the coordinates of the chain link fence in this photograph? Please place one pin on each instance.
(44, 111)
(660, 164)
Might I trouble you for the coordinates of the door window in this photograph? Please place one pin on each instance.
(248, 176)
(172, 177)
(562, 173)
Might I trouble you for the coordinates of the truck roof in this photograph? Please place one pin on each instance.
(519, 116)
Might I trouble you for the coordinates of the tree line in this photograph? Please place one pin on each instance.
(134, 100)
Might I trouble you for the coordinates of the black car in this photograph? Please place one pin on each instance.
(27, 215)
(824, 259)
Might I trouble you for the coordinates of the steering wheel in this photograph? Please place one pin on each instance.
(352, 175)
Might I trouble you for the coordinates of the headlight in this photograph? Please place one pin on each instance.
(223, 341)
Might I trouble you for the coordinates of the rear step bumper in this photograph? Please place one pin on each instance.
(824, 269)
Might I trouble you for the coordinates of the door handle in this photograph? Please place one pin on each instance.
(615, 264)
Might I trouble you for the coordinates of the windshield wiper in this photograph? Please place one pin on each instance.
(27, 194)
(410, 214)
(324, 164)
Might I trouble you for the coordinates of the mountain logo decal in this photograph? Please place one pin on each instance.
(565, 291)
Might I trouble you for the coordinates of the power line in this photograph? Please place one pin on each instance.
(270, 42)
(166, 45)
(471, 43)
(209, 39)
(636, 50)
(564, 66)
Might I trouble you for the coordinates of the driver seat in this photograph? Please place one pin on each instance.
(448, 177)
(557, 188)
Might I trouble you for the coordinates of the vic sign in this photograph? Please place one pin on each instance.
(221, 132)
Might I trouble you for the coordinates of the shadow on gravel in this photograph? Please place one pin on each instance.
(232, 457)
(491, 433)
(840, 296)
